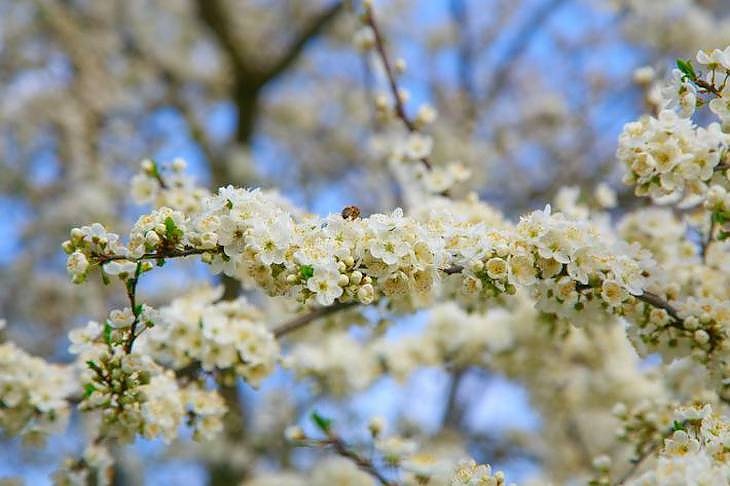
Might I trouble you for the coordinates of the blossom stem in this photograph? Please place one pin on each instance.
(301, 321)
(400, 109)
(706, 243)
(342, 449)
(655, 301)
(132, 295)
(709, 87)
(175, 253)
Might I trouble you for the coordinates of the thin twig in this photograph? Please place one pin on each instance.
(637, 462)
(400, 109)
(500, 73)
(460, 15)
(315, 26)
(132, 295)
(709, 87)
(175, 253)
(344, 450)
(656, 301)
(708, 240)
(301, 321)
(453, 411)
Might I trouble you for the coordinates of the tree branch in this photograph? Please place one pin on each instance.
(658, 302)
(518, 46)
(400, 109)
(214, 14)
(301, 321)
(361, 462)
(638, 461)
(465, 67)
(315, 27)
(342, 449)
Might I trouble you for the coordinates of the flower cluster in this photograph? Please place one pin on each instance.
(33, 394)
(661, 232)
(93, 467)
(469, 473)
(717, 63)
(343, 259)
(693, 450)
(200, 329)
(134, 394)
(337, 363)
(669, 157)
(173, 188)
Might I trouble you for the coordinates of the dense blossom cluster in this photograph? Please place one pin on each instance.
(336, 259)
(692, 443)
(201, 330)
(559, 301)
(669, 157)
(573, 267)
(34, 395)
(134, 394)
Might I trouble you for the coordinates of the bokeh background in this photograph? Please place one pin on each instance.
(531, 96)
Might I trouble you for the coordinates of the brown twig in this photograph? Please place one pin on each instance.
(708, 240)
(342, 449)
(301, 321)
(656, 301)
(132, 295)
(400, 109)
(175, 253)
(709, 87)
(637, 462)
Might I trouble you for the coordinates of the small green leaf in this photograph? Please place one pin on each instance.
(321, 422)
(88, 390)
(155, 171)
(677, 425)
(306, 271)
(93, 366)
(137, 309)
(104, 277)
(172, 232)
(687, 69)
(107, 333)
(720, 218)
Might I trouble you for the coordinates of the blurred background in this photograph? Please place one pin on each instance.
(531, 96)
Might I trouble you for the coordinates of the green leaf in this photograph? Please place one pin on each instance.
(88, 390)
(677, 425)
(93, 366)
(155, 171)
(720, 218)
(171, 230)
(306, 271)
(108, 333)
(137, 309)
(687, 69)
(321, 422)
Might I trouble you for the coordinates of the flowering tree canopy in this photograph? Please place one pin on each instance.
(239, 329)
